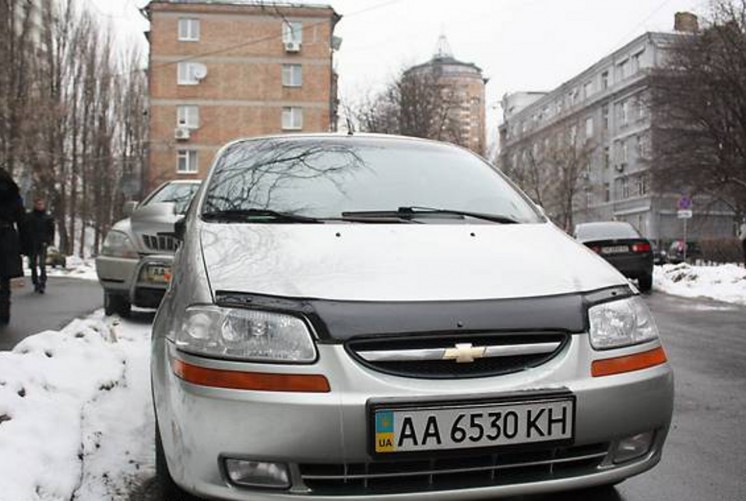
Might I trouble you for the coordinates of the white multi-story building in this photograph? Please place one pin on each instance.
(604, 112)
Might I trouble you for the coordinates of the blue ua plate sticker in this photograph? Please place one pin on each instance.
(385, 432)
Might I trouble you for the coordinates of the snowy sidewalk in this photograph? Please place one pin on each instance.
(75, 413)
(726, 282)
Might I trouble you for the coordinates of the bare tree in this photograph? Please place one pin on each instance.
(417, 103)
(698, 104)
(554, 170)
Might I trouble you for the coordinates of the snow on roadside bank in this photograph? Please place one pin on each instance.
(75, 413)
(725, 282)
(74, 268)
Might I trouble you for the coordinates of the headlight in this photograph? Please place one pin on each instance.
(621, 323)
(251, 335)
(118, 244)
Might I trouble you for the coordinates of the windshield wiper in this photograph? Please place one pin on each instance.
(255, 215)
(414, 211)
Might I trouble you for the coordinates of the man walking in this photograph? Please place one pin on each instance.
(40, 232)
(11, 216)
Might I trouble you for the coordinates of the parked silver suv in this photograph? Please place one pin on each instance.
(134, 266)
(374, 317)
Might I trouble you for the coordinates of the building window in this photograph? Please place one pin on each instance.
(588, 89)
(642, 188)
(186, 162)
(604, 80)
(607, 157)
(605, 117)
(624, 187)
(292, 32)
(623, 152)
(637, 61)
(607, 193)
(589, 127)
(623, 109)
(573, 134)
(187, 116)
(292, 118)
(623, 69)
(292, 75)
(187, 73)
(189, 30)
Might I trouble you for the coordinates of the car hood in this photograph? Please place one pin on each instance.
(400, 262)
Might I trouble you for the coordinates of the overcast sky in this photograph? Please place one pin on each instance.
(520, 44)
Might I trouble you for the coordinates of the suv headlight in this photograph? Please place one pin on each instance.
(118, 244)
(251, 335)
(621, 323)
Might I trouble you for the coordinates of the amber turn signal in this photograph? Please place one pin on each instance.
(628, 363)
(257, 381)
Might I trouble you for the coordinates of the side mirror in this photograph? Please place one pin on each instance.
(180, 228)
(129, 207)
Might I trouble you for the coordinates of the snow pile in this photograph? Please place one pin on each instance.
(725, 282)
(75, 413)
(75, 267)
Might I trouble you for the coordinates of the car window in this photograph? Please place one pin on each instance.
(178, 193)
(603, 231)
(324, 178)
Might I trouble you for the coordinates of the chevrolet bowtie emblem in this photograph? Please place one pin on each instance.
(464, 353)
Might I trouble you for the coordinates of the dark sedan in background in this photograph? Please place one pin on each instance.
(622, 246)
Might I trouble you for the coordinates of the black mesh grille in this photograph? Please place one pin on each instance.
(160, 242)
(462, 472)
(450, 369)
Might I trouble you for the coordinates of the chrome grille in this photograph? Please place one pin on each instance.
(457, 355)
(461, 472)
(160, 242)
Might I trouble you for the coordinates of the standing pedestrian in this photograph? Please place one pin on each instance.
(742, 236)
(39, 227)
(11, 216)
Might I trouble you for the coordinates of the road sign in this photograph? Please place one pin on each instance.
(684, 214)
(684, 203)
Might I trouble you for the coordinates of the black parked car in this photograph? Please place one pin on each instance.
(622, 246)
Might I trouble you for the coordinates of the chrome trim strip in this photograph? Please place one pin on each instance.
(439, 353)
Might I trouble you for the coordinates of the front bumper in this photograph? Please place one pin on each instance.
(199, 425)
(124, 276)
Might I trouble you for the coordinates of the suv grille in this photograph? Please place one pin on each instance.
(449, 356)
(452, 473)
(160, 242)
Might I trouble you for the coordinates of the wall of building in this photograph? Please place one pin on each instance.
(606, 106)
(242, 95)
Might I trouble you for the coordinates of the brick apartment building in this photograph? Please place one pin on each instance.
(466, 107)
(221, 70)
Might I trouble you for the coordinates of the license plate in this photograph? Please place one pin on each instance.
(617, 249)
(158, 274)
(423, 428)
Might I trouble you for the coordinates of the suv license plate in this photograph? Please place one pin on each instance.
(158, 274)
(417, 429)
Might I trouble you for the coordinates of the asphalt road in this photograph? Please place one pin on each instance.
(65, 299)
(704, 455)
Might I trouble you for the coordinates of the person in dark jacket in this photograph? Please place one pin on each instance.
(11, 216)
(39, 229)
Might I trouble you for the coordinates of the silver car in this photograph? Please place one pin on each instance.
(375, 317)
(134, 266)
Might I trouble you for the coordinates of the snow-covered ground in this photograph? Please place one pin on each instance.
(725, 282)
(75, 414)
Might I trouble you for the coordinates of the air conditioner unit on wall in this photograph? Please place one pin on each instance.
(292, 46)
(181, 133)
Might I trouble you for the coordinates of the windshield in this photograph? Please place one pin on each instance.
(324, 178)
(178, 193)
(605, 231)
